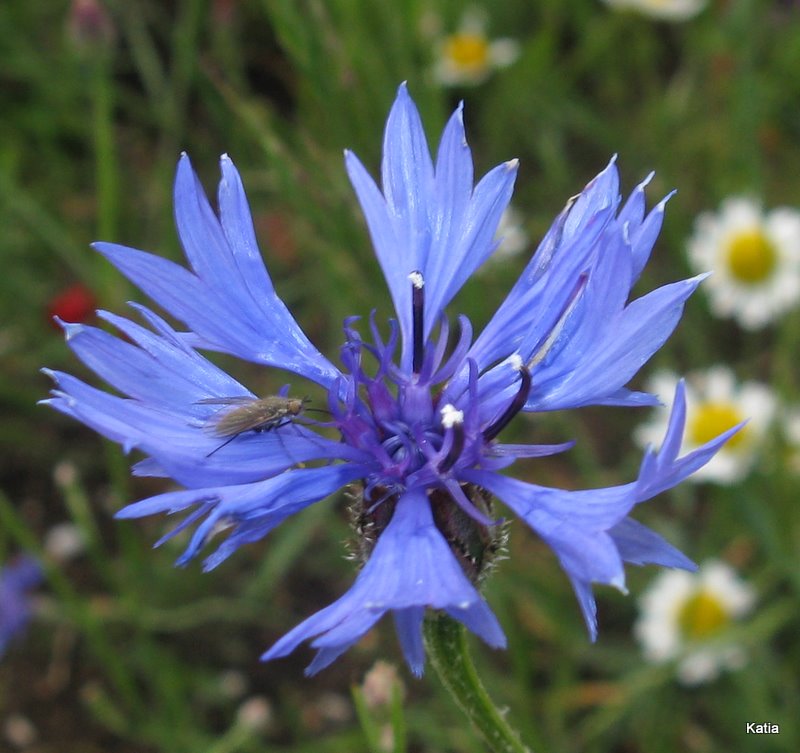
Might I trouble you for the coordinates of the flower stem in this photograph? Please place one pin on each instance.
(446, 643)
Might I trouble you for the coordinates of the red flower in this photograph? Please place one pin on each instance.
(74, 304)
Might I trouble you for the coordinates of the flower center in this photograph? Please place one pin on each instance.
(711, 419)
(751, 257)
(702, 616)
(467, 51)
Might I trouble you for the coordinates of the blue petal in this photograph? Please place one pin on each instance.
(407, 169)
(567, 315)
(237, 225)
(643, 238)
(407, 179)
(449, 205)
(161, 371)
(389, 246)
(632, 212)
(252, 509)
(410, 568)
(181, 448)
(557, 510)
(429, 219)
(630, 399)
(585, 596)
(408, 626)
(641, 230)
(589, 530)
(639, 545)
(227, 299)
(610, 351)
(543, 291)
(459, 257)
(663, 470)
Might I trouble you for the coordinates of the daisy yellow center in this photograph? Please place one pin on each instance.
(467, 51)
(709, 420)
(702, 616)
(751, 257)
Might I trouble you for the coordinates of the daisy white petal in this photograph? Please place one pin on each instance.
(663, 10)
(683, 616)
(755, 260)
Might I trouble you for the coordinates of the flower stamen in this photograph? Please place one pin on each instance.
(418, 312)
(452, 421)
(514, 407)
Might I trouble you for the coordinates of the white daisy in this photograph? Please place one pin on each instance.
(64, 542)
(684, 616)
(715, 403)
(754, 257)
(467, 56)
(663, 10)
(511, 234)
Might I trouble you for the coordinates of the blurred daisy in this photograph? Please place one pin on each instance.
(511, 238)
(64, 542)
(663, 10)
(381, 684)
(684, 614)
(715, 402)
(467, 56)
(755, 258)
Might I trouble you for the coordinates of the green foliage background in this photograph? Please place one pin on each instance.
(127, 653)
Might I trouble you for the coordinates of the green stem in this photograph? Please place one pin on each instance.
(445, 640)
(105, 163)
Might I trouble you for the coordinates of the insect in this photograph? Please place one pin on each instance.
(251, 414)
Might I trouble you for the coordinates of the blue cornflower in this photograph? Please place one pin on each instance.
(17, 579)
(418, 419)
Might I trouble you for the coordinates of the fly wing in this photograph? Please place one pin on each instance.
(241, 419)
(249, 415)
(239, 400)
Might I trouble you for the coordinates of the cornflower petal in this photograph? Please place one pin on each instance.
(621, 344)
(476, 242)
(639, 545)
(452, 191)
(260, 506)
(632, 212)
(408, 626)
(411, 567)
(182, 450)
(429, 219)
(644, 236)
(589, 529)
(159, 370)
(544, 288)
(568, 307)
(227, 299)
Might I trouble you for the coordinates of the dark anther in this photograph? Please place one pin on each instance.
(514, 407)
(418, 312)
(455, 449)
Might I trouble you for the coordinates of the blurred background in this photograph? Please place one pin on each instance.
(123, 652)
